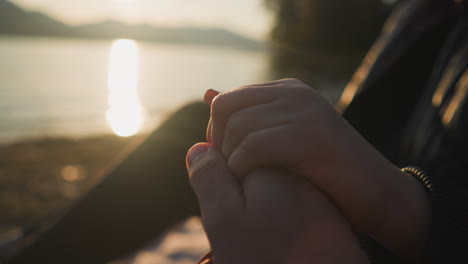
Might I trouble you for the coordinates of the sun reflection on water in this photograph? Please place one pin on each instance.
(125, 113)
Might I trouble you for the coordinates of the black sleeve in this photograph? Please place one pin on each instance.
(447, 185)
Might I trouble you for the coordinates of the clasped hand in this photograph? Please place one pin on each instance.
(331, 170)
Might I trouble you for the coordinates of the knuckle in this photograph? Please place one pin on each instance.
(302, 87)
(293, 80)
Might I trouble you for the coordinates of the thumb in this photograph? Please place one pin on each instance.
(216, 188)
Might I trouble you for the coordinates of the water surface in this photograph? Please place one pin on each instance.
(63, 87)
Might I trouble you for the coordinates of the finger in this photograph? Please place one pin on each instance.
(217, 190)
(210, 94)
(266, 148)
(225, 104)
(209, 139)
(228, 103)
(249, 120)
(276, 82)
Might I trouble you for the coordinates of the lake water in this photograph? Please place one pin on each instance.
(70, 87)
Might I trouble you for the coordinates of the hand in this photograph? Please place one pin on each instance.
(272, 217)
(286, 123)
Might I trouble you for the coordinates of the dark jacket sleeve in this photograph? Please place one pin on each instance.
(447, 183)
(449, 229)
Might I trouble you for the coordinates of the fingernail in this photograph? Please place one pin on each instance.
(195, 152)
(210, 94)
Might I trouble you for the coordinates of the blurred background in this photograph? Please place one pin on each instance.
(81, 79)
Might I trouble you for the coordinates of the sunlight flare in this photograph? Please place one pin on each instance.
(125, 113)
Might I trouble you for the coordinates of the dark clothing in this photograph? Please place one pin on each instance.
(409, 99)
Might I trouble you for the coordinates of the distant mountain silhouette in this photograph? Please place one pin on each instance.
(16, 21)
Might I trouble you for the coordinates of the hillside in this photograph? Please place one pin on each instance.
(16, 21)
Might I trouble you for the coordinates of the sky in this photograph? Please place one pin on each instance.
(248, 17)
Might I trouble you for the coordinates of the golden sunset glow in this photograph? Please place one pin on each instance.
(125, 113)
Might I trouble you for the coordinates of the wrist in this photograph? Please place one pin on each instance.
(405, 217)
